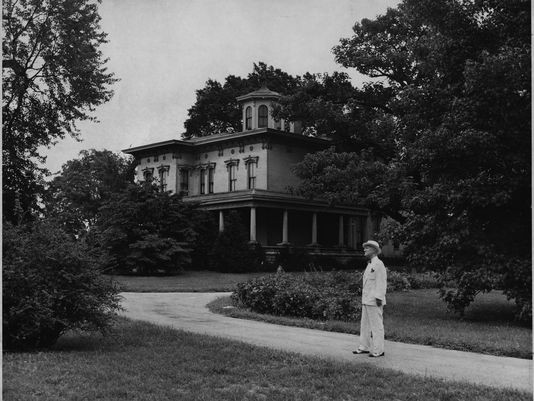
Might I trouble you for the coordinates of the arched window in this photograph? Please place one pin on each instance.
(262, 116)
(248, 118)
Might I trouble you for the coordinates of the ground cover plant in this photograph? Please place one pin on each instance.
(420, 317)
(146, 362)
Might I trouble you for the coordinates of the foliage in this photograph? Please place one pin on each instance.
(84, 185)
(323, 296)
(53, 75)
(302, 296)
(144, 231)
(440, 141)
(216, 107)
(206, 227)
(423, 280)
(231, 252)
(398, 282)
(50, 286)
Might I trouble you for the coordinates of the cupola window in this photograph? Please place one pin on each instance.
(248, 118)
(263, 112)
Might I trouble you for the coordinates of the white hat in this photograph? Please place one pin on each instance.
(373, 244)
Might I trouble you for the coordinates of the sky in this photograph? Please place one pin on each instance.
(164, 50)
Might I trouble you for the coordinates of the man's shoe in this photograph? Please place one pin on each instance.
(376, 355)
(360, 351)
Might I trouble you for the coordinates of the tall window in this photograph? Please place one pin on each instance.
(263, 112)
(162, 179)
(211, 172)
(232, 177)
(251, 175)
(184, 181)
(163, 172)
(202, 181)
(248, 118)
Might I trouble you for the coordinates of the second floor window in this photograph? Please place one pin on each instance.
(202, 181)
(248, 118)
(184, 181)
(162, 179)
(211, 172)
(147, 174)
(263, 113)
(251, 175)
(232, 177)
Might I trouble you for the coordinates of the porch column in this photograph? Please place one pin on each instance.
(221, 221)
(314, 229)
(341, 232)
(285, 229)
(252, 224)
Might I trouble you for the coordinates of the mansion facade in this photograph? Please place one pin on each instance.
(251, 172)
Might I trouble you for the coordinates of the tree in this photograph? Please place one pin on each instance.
(443, 145)
(75, 196)
(216, 107)
(50, 286)
(53, 75)
(143, 231)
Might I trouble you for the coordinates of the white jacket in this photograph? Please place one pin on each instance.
(374, 282)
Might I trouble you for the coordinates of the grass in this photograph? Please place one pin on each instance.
(146, 362)
(420, 317)
(189, 281)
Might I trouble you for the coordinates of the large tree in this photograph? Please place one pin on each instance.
(443, 138)
(53, 75)
(83, 185)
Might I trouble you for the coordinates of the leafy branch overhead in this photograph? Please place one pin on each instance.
(53, 75)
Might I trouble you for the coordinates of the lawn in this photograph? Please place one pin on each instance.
(189, 281)
(141, 361)
(416, 316)
(420, 317)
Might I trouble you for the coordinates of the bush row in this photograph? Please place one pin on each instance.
(323, 296)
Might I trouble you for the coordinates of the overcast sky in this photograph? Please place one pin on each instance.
(164, 50)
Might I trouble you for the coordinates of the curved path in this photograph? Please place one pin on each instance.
(187, 311)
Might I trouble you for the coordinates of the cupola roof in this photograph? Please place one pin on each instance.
(262, 93)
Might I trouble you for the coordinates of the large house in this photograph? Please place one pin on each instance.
(250, 171)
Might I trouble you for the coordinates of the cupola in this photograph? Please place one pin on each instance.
(257, 110)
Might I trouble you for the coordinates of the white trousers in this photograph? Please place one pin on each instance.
(372, 329)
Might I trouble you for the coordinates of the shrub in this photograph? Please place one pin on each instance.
(50, 286)
(423, 280)
(232, 253)
(333, 295)
(397, 281)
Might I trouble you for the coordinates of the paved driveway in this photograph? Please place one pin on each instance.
(187, 311)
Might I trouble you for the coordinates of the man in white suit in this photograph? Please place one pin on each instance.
(373, 301)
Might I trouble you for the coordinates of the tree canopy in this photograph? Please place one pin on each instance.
(53, 75)
(76, 194)
(216, 107)
(441, 143)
